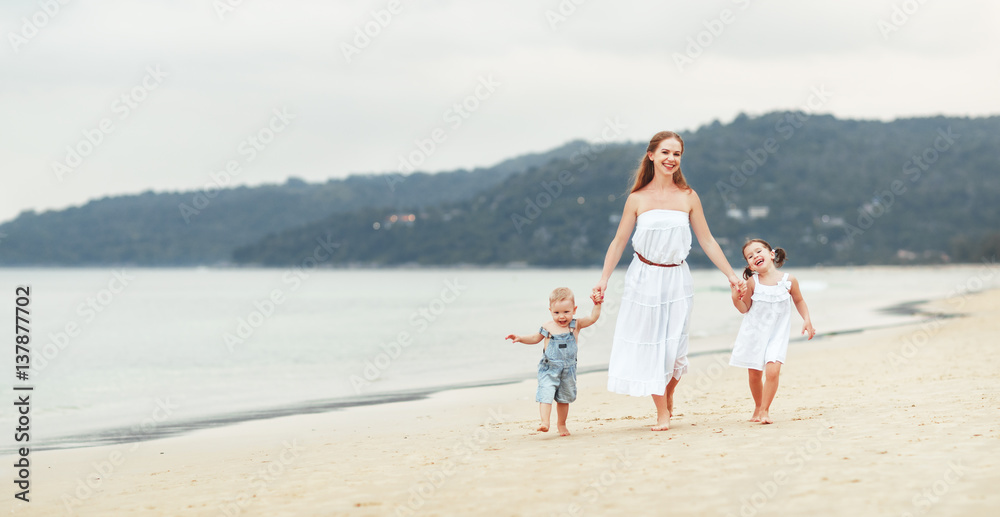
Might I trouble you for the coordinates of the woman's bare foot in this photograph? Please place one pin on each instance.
(661, 424)
(765, 418)
(563, 430)
(756, 415)
(543, 428)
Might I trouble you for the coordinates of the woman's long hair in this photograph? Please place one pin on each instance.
(644, 174)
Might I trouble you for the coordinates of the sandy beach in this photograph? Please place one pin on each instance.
(898, 421)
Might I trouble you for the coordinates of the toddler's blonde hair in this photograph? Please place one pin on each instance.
(561, 293)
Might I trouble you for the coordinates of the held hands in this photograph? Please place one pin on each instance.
(597, 297)
(599, 289)
(737, 284)
(807, 326)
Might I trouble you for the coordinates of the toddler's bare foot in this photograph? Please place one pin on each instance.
(563, 430)
(543, 428)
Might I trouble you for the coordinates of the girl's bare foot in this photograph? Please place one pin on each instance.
(543, 428)
(563, 430)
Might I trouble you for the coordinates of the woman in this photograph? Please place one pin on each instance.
(649, 353)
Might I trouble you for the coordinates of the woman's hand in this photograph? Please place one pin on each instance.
(600, 289)
(738, 283)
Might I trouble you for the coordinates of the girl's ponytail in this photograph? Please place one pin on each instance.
(779, 257)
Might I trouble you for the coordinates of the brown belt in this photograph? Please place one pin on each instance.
(644, 259)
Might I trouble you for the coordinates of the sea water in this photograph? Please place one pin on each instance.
(121, 354)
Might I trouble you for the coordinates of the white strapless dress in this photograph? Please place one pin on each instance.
(651, 337)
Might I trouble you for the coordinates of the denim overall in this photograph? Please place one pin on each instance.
(557, 369)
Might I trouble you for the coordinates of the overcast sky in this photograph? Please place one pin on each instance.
(290, 88)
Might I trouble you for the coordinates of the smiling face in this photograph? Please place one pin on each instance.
(759, 257)
(667, 156)
(562, 311)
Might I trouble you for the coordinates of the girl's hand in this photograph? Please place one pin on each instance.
(737, 283)
(808, 327)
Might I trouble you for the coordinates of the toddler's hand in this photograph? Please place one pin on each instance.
(513, 338)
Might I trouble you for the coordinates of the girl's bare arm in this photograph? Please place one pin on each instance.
(800, 305)
(743, 301)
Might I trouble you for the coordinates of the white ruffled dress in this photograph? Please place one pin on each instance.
(651, 337)
(763, 336)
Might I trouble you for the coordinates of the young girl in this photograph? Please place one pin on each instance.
(763, 339)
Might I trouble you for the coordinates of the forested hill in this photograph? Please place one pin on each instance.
(204, 227)
(829, 191)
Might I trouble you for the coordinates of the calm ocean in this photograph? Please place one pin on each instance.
(130, 354)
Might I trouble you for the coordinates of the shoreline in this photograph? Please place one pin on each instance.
(899, 419)
(622, 266)
(128, 435)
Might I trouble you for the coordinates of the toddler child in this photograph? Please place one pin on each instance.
(557, 369)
